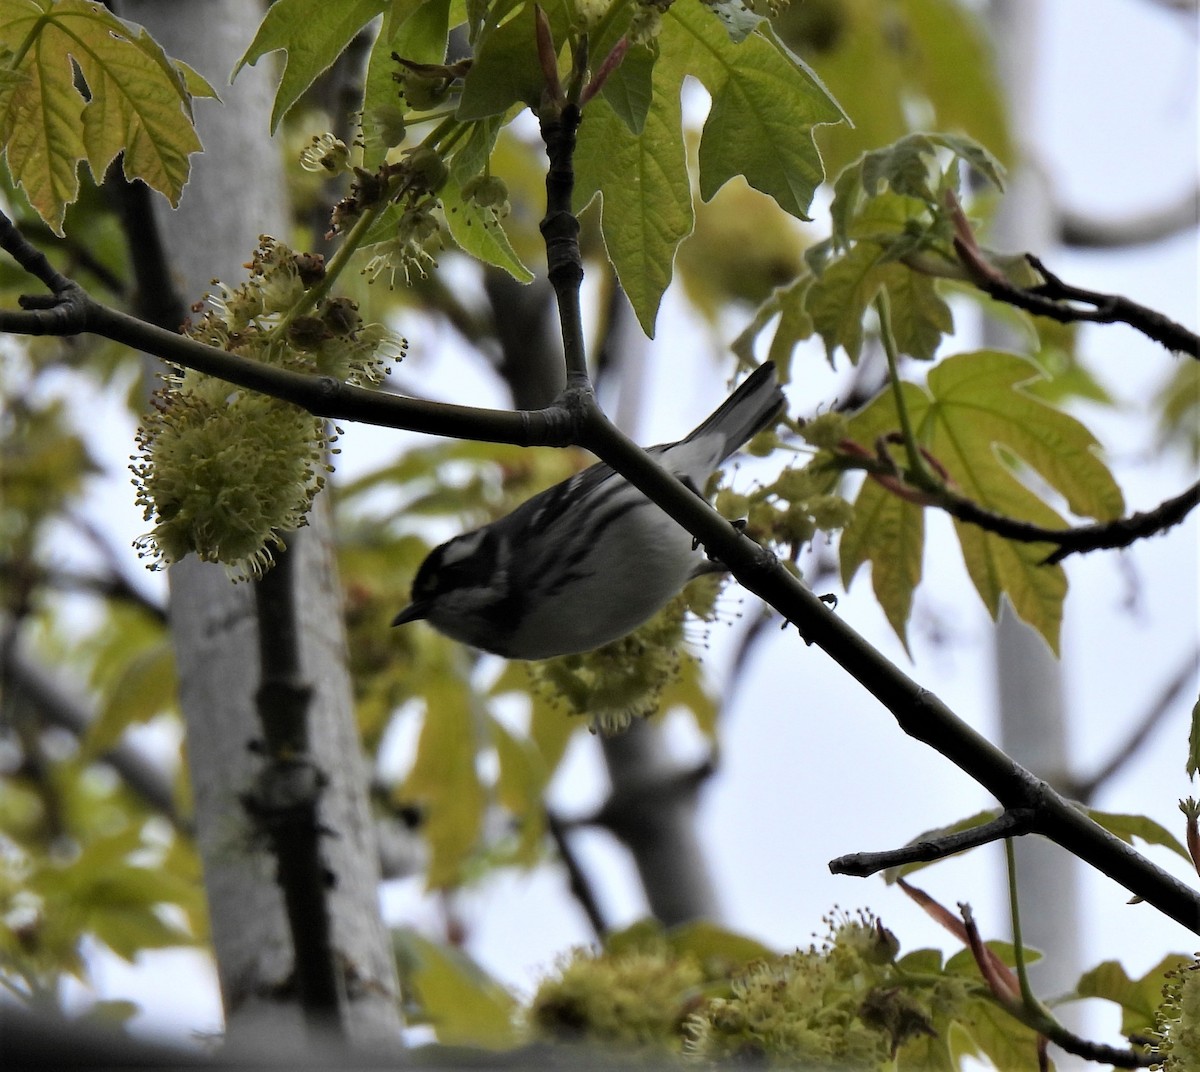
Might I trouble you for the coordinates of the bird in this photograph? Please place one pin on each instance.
(587, 561)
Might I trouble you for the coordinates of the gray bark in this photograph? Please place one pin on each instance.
(235, 194)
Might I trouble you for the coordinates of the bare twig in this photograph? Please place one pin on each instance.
(1085, 789)
(26, 681)
(1104, 535)
(581, 888)
(1068, 304)
(1090, 232)
(1008, 823)
(927, 490)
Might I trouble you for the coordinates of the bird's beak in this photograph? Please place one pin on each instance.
(414, 612)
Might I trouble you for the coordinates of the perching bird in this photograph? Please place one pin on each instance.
(588, 560)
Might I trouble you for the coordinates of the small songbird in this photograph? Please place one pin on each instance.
(588, 560)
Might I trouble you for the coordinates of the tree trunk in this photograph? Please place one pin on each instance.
(1028, 677)
(235, 194)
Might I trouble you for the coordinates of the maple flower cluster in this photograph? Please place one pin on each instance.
(839, 1004)
(625, 679)
(225, 472)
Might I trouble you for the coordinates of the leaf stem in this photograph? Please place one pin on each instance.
(1027, 995)
(918, 472)
(337, 263)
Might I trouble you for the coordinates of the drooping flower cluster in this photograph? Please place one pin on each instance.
(625, 679)
(826, 1006)
(226, 472)
(634, 998)
(1177, 1022)
(843, 1003)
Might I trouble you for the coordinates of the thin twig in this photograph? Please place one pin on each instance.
(1007, 824)
(1103, 535)
(1068, 304)
(580, 887)
(1080, 539)
(1085, 789)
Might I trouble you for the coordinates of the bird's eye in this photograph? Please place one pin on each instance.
(464, 562)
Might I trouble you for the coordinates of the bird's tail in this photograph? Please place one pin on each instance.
(752, 407)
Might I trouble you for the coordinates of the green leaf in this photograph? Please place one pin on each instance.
(629, 89)
(1007, 1042)
(137, 101)
(977, 408)
(519, 787)
(1179, 403)
(955, 69)
(976, 420)
(443, 779)
(1139, 999)
(478, 233)
(1128, 827)
(475, 151)
(646, 200)
(838, 298)
(890, 534)
(920, 317)
(765, 105)
(460, 1001)
(718, 949)
(417, 31)
(313, 33)
(506, 69)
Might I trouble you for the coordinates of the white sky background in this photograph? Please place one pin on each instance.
(811, 767)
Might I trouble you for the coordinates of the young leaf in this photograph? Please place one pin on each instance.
(443, 779)
(971, 417)
(1128, 827)
(313, 33)
(145, 687)
(137, 101)
(629, 89)
(419, 36)
(460, 1001)
(1193, 760)
(478, 234)
(1138, 999)
(520, 784)
(646, 199)
(838, 298)
(889, 533)
(977, 409)
(920, 317)
(766, 103)
(506, 69)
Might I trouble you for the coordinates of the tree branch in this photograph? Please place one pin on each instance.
(928, 490)
(1104, 535)
(25, 680)
(1085, 789)
(1008, 823)
(1068, 304)
(1089, 232)
(284, 802)
(70, 310)
(581, 888)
